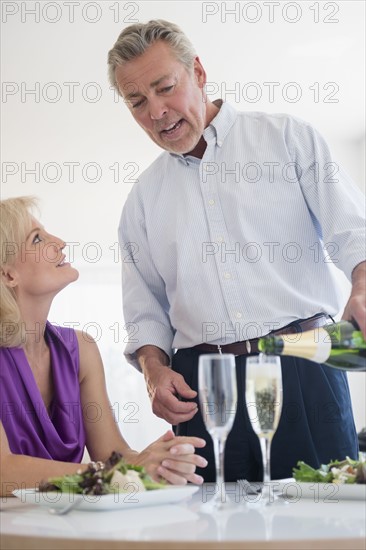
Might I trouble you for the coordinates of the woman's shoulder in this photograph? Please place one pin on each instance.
(79, 344)
(63, 337)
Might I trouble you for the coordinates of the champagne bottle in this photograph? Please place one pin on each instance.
(339, 345)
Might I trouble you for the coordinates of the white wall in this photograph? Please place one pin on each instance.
(61, 123)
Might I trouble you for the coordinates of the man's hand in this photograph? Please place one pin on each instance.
(356, 305)
(166, 388)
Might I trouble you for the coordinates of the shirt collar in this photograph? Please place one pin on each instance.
(222, 123)
(219, 126)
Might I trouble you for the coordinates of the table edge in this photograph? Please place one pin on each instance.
(19, 542)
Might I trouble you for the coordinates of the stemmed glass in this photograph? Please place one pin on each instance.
(218, 402)
(263, 396)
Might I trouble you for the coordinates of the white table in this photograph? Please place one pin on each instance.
(305, 524)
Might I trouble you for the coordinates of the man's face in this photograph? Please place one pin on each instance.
(165, 99)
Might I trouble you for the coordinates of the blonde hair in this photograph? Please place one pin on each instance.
(135, 39)
(15, 224)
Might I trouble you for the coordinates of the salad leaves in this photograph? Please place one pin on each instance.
(345, 471)
(116, 476)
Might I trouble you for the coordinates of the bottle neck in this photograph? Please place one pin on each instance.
(315, 345)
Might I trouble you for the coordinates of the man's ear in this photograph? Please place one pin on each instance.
(199, 72)
(9, 276)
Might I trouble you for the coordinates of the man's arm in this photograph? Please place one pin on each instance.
(339, 208)
(166, 387)
(333, 199)
(146, 308)
(356, 305)
(145, 303)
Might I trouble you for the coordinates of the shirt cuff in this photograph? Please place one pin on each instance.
(154, 334)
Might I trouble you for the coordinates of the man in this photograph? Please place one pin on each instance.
(230, 232)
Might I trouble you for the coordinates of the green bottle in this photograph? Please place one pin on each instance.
(339, 345)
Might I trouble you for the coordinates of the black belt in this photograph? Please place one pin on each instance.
(247, 347)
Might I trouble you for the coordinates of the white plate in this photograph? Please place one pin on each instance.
(325, 492)
(117, 501)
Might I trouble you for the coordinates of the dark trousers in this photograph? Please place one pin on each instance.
(316, 423)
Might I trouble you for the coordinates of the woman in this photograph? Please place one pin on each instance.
(51, 375)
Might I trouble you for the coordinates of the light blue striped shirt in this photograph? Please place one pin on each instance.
(233, 245)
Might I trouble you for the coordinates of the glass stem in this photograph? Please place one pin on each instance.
(266, 455)
(219, 460)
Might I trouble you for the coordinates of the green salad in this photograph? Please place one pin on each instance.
(115, 477)
(345, 471)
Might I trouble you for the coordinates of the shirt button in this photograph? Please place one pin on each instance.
(227, 275)
(211, 202)
(220, 239)
(238, 315)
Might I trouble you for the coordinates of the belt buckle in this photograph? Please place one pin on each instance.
(219, 349)
(248, 346)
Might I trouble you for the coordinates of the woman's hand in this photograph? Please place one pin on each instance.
(172, 458)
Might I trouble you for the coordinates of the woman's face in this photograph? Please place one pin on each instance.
(40, 268)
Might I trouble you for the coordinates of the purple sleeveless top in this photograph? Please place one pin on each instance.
(30, 428)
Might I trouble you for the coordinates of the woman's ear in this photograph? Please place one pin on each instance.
(9, 276)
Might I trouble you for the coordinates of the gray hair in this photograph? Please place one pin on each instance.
(136, 39)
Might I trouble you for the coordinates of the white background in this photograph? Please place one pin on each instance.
(311, 52)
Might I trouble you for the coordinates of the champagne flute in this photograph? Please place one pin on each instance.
(263, 396)
(218, 401)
